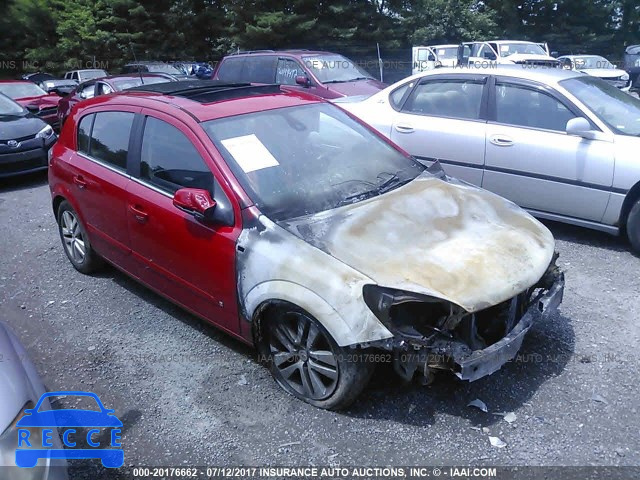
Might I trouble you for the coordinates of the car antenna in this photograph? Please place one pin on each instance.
(136, 60)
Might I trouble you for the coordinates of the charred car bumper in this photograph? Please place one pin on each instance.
(489, 360)
(470, 345)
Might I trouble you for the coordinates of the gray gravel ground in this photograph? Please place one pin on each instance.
(189, 395)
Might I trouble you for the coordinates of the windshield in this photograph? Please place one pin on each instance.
(9, 107)
(334, 69)
(583, 63)
(21, 90)
(299, 161)
(90, 74)
(136, 82)
(446, 53)
(619, 110)
(507, 49)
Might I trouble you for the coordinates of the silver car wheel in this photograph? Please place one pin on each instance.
(303, 356)
(73, 238)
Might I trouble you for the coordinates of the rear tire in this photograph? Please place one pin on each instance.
(633, 227)
(75, 241)
(308, 363)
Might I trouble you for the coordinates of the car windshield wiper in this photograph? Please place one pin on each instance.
(389, 184)
(350, 80)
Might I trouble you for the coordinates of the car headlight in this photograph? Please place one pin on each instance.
(625, 77)
(409, 313)
(46, 132)
(9, 444)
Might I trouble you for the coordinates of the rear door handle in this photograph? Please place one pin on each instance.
(79, 181)
(501, 140)
(139, 214)
(404, 128)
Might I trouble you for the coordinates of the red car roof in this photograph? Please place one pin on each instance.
(209, 111)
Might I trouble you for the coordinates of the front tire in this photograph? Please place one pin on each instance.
(76, 241)
(308, 363)
(633, 227)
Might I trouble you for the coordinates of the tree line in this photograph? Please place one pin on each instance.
(57, 35)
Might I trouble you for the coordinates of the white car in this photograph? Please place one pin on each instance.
(562, 144)
(506, 52)
(597, 66)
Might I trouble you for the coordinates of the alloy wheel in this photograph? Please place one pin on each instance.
(303, 356)
(73, 238)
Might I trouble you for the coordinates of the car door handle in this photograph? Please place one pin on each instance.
(501, 140)
(139, 214)
(404, 128)
(79, 181)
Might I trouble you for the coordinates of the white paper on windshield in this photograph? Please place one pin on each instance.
(441, 51)
(504, 48)
(250, 153)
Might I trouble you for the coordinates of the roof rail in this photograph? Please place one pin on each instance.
(246, 52)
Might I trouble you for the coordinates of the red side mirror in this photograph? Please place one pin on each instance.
(303, 80)
(194, 200)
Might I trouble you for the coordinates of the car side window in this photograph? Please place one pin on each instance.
(486, 53)
(260, 69)
(88, 91)
(104, 89)
(528, 107)
(447, 98)
(110, 138)
(231, 69)
(84, 133)
(287, 71)
(395, 97)
(169, 160)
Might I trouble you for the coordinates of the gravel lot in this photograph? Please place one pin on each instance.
(189, 395)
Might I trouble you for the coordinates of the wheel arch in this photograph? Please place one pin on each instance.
(57, 200)
(265, 297)
(629, 201)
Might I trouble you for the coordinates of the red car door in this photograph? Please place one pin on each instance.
(190, 262)
(99, 180)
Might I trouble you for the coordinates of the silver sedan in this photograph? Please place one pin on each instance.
(20, 388)
(562, 144)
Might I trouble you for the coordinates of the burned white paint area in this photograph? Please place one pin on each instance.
(440, 238)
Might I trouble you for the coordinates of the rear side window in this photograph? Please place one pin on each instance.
(231, 69)
(169, 160)
(109, 140)
(259, 69)
(84, 133)
(447, 98)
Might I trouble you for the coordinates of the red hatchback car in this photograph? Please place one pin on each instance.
(42, 104)
(292, 226)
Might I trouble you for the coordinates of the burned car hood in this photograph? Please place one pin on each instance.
(437, 237)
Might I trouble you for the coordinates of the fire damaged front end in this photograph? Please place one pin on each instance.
(430, 334)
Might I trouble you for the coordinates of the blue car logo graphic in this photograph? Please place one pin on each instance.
(67, 421)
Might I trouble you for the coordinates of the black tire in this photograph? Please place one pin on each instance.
(633, 227)
(74, 239)
(313, 355)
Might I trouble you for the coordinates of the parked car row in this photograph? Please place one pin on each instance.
(309, 232)
(509, 52)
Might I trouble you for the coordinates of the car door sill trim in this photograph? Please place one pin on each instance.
(538, 176)
(610, 229)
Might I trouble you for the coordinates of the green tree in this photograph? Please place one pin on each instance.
(448, 21)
